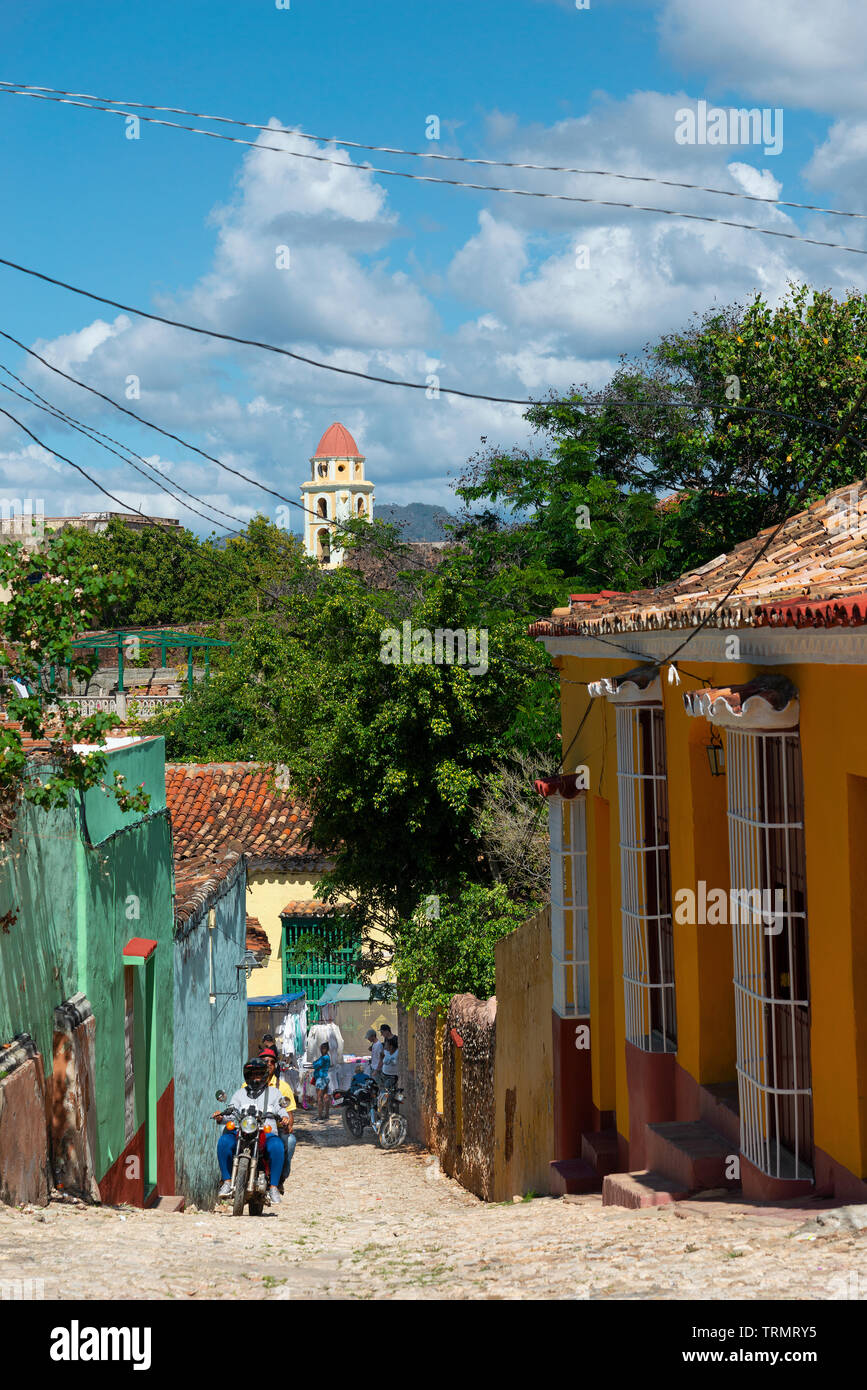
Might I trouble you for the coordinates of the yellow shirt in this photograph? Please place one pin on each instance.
(285, 1090)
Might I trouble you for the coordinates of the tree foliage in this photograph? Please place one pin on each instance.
(53, 597)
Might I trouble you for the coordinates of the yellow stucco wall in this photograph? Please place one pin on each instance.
(267, 895)
(524, 1061)
(834, 754)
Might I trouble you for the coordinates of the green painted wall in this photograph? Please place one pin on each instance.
(83, 881)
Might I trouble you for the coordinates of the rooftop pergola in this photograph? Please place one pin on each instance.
(164, 638)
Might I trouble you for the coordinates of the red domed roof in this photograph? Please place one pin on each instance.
(338, 443)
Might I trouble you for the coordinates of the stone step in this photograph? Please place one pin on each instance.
(574, 1175)
(643, 1189)
(691, 1153)
(599, 1149)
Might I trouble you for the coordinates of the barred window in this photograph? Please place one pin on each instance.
(648, 942)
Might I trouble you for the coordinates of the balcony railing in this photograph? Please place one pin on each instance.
(126, 706)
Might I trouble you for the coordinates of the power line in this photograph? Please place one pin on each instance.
(453, 183)
(599, 403)
(105, 441)
(337, 525)
(29, 89)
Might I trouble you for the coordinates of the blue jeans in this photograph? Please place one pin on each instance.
(226, 1154)
(289, 1142)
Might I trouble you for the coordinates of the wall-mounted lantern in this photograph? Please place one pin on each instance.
(716, 754)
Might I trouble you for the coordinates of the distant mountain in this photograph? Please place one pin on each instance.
(418, 521)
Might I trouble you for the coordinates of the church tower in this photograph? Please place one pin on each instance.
(336, 492)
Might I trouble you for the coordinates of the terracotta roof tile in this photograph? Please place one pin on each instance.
(236, 807)
(814, 574)
(313, 907)
(257, 937)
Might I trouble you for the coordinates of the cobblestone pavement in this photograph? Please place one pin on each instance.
(357, 1222)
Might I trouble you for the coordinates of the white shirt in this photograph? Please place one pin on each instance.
(389, 1065)
(376, 1050)
(269, 1099)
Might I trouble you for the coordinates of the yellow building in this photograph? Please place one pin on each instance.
(220, 809)
(336, 492)
(709, 878)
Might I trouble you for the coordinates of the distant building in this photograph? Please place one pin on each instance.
(336, 492)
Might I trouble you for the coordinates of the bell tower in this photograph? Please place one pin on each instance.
(336, 492)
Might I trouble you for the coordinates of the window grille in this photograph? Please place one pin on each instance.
(570, 943)
(335, 963)
(769, 927)
(648, 943)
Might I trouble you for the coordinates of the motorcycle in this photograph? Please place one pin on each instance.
(378, 1107)
(250, 1175)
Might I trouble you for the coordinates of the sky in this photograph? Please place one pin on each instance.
(488, 292)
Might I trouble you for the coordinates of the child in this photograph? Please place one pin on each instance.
(321, 1068)
(360, 1078)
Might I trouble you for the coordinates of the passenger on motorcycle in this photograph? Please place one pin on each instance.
(257, 1092)
(269, 1055)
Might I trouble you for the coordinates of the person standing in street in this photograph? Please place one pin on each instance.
(376, 1051)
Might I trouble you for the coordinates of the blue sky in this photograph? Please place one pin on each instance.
(388, 276)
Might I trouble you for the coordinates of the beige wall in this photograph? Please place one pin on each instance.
(524, 1065)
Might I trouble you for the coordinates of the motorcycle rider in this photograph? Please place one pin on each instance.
(257, 1092)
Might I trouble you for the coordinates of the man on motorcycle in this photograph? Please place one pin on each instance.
(257, 1092)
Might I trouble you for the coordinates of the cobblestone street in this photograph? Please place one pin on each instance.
(357, 1222)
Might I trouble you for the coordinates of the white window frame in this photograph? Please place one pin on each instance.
(649, 994)
(760, 1014)
(570, 928)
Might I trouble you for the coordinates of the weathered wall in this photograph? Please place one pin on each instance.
(210, 1040)
(83, 880)
(449, 1087)
(25, 1174)
(524, 1069)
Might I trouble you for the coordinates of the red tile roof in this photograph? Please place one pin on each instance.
(312, 908)
(813, 574)
(236, 808)
(199, 882)
(338, 443)
(257, 937)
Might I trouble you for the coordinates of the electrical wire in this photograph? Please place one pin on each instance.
(29, 89)
(453, 183)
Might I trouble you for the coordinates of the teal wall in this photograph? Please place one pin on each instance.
(83, 881)
(210, 1039)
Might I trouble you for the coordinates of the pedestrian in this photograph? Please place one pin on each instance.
(269, 1057)
(321, 1068)
(390, 1063)
(376, 1050)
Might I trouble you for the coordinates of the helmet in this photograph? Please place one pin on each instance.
(256, 1074)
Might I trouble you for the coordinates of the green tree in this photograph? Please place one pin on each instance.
(53, 596)
(449, 948)
(734, 416)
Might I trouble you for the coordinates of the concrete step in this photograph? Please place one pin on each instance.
(691, 1153)
(599, 1149)
(643, 1189)
(574, 1175)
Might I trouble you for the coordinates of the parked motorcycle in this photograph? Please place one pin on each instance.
(250, 1175)
(378, 1107)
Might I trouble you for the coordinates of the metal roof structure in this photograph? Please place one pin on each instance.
(162, 637)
